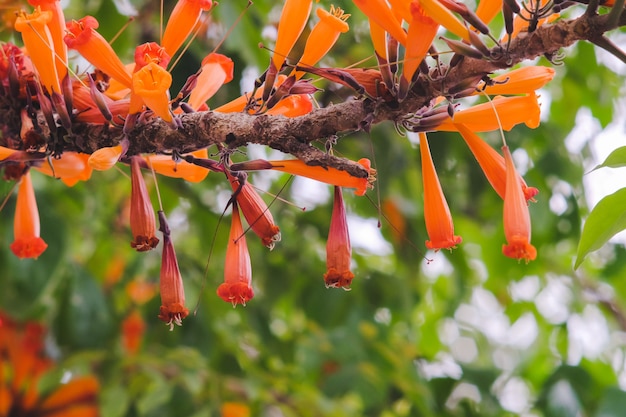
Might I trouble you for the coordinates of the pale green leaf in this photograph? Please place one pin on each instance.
(606, 219)
(616, 159)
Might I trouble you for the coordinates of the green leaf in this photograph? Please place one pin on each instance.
(616, 159)
(613, 403)
(606, 219)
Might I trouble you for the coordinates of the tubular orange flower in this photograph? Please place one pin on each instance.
(133, 329)
(217, 70)
(82, 37)
(142, 223)
(292, 21)
(181, 23)
(39, 44)
(231, 409)
(71, 168)
(165, 165)
(488, 9)
(338, 249)
(292, 106)
(422, 32)
(402, 9)
(523, 80)
(57, 30)
(150, 52)
(152, 84)
(255, 210)
(511, 111)
(379, 12)
(76, 397)
(173, 309)
(236, 288)
(516, 216)
(327, 175)
(323, 36)
(436, 211)
(492, 164)
(445, 18)
(27, 243)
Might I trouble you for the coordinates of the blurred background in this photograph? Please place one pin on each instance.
(462, 333)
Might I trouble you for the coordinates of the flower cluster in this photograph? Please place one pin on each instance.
(23, 366)
(47, 101)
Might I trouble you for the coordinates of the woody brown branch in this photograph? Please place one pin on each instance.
(295, 135)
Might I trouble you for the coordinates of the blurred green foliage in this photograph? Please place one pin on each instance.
(462, 333)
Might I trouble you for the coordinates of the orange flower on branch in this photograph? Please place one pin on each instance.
(516, 216)
(217, 70)
(327, 175)
(442, 15)
(39, 44)
(338, 249)
(379, 12)
(182, 22)
(237, 288)
(82, 37)
(56, 25)
(151, 83)
(436, 211)
(524, 80)
(323, 36)
(172, 309)
(142, 223)
(254, 209)
(26, 227)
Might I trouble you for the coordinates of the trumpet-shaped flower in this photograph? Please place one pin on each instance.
(71, 168)
(27, 243)
(511, 112)
(172, 309)
(378, 11)
(338, 249)
(442, 15)
(56, 25)
(83, 37)
(327, 175)
(523, 80)
(217, 70)
(133, 329)
(236, 288)
(323, 36)
(516, 216)
(151, 84)
(492, 164)
(104, 158)
(165, 165)
(182, 22)
(40, 46)
(255, 210)
(142, 223)
(488, 9)
(421, 33)
(436, 211)
(291, 24)
(150, 52)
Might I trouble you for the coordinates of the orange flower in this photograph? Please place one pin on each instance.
(217, 70)
(292, 106)
(422, 32)
(378, 11)
(56, 25)
(523, 80)
(27, 243)
(511, 111)
(492, 164)
(22, 368)
(516, 216)
(255, 210)
(133, 329)
(323, 36)
(104, 158)
(338, 249)
(181, 23)
(436, 211)
(71, 168)
(150, 52)
(488, 9)
(236, 288)
(39, 44)
(172, 309)
(152, 84)
(442, 15)
(327, 175)
(292, 21)
(142, 223)
(165, 165)
(82, 37)
(232, 409)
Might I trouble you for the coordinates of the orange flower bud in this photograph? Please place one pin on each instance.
(142, 223)
(27, 243)
(338, 249)
(181, 23)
